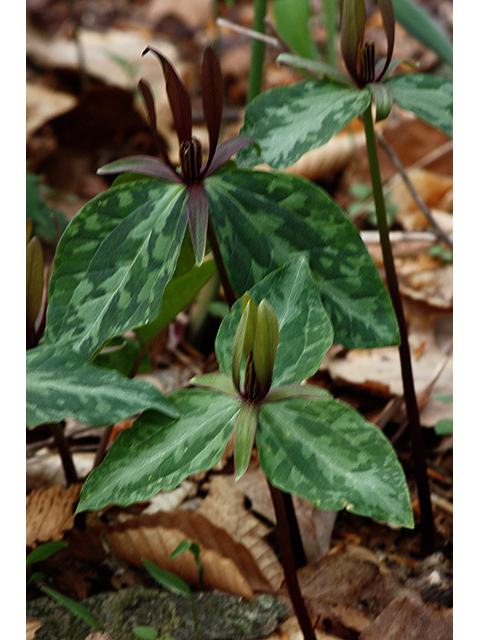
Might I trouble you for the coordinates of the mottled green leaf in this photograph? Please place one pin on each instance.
(286, 122)
(61, 384)
(262, 219)
(327, 453)
(218, 381)
(178, 293)
(113, 263)
(305, 331)
(429, 97)
(157, 453)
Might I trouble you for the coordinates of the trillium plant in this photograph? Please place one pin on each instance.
(192, 172)
(294, 272)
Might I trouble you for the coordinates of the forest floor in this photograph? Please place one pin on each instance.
(363, 580)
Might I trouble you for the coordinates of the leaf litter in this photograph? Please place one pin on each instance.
(362, 577)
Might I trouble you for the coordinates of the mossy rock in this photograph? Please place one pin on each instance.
(220, 616)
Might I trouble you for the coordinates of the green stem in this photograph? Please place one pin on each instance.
(418, 449)
(258, 51)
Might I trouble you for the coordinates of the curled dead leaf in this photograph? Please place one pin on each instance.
(50, 513)
(227, 565)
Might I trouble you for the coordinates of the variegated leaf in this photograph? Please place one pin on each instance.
(286, 122)
(261, 219)
(429, 97)
(305, 331)
(113, 263)
(61, 384)
(327, 453)
(157, 453)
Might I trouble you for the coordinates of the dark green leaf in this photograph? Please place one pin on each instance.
(166, 579)
(76, 608)
(113, 262)
(286, 122)
(61, 384)
(44, 551)
(313, 66)
(327, 453)
(292, 20)
(429, 97)
(421, 25)
(245, 427)
(382, 97)
(162, 452)
(262, 219)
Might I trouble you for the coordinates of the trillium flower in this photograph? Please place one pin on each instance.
(192, 171)
(359, 55)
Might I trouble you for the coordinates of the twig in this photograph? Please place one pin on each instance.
(439, 232)
(250, 33)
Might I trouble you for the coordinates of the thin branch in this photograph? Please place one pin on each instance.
(250, 33)
(439, 232)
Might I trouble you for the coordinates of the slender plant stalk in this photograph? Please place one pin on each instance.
(288, 532)
(65, 453)
(258, 51)
(418, 449)
(286, 550)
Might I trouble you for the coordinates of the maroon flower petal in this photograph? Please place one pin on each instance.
(224, 152)
(178, 97)
(388, 19)
(197, 214)
(352, 29)
(152, 118)
(212, 99)
(146, 165)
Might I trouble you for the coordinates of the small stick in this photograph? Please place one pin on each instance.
(250, 33)
(439, 232)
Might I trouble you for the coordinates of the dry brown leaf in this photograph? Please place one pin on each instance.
(50, 513)
(404, 619)
(98, 635)
(43, 104)
(434, 189)
(290, 630)
(195, 13)
(225, 508)
(323, 163)
(44, 468)
(114, 56)
(227, 565)
(32, 627)
(348, 588)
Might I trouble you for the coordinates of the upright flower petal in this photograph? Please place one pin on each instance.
(197, 214)
(265, 346)
(388, 19)
(244, 336)
(152, 118)
(352, 29)
(212, 100)
(178, 97)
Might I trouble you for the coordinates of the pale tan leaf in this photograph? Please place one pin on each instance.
(195, 14)
(44, 104)
(326, 161)
(33, 625)
(227, 565)
(98, 635)
(225, 507)
(50, 513)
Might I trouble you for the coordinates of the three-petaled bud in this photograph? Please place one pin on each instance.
(256, 338)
